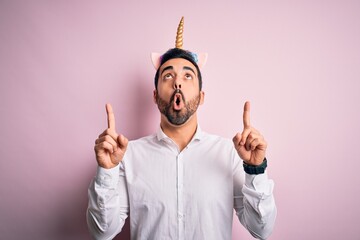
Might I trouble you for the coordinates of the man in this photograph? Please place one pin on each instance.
(180, 183)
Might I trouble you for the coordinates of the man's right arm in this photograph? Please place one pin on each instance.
(108, 205)
(108, 197)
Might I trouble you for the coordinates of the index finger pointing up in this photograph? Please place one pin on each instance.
(110, 116)
(246, 115)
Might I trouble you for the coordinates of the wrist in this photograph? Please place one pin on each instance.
(255, 170)
(107, 177)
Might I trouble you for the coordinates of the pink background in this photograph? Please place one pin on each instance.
(298, 62)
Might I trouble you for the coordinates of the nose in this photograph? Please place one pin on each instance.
(177, 85)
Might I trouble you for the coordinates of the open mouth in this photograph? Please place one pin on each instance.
(178, 101)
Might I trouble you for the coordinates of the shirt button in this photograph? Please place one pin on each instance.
(101, 205)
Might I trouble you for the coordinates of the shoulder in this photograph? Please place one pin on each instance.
(143, 141)
(215, 138)
(219, 146)
(140, 147)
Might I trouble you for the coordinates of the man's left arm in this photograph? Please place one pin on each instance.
(254, 202)
(253, 199)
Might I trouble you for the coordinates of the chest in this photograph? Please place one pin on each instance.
(204, 175)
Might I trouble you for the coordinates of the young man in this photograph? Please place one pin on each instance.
(180, 183)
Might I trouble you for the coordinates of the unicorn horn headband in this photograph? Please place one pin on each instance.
(200, 59)
(179, 34)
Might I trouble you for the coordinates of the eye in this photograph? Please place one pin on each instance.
(167, 76)
(188, 76)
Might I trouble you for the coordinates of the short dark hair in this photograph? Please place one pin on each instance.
(178, 53)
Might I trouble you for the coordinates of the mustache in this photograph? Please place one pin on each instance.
(176, 92)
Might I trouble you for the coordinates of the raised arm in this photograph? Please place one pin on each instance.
(108, 205)
(253, 199)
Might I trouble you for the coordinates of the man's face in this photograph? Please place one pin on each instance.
(178, 95)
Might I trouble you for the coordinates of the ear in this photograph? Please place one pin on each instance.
(156, 59)
(202, 58)
(202, 97)
(154, 96)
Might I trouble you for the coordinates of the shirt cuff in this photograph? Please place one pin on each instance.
(107, 177)
(260, 182)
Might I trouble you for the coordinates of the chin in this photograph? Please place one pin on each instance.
(175, 124)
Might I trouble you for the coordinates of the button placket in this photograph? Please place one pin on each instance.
(180, 184)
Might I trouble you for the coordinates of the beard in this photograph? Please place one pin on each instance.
(178, 117)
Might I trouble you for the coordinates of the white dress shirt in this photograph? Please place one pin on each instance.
(180, 195)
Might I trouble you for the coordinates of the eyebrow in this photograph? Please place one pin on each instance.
(167, 68)
(171, 67)
(189, 68)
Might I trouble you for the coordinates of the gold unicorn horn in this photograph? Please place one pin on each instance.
(179, 34)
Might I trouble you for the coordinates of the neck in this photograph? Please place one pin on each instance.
(182, 134)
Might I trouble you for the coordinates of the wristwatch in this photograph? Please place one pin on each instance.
(255, 170)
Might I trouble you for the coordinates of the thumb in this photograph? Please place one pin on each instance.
(122, 141)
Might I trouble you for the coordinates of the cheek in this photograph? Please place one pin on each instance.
(164, 93)
(190, 91)
(192, 85)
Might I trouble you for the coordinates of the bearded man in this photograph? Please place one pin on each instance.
(180, 182)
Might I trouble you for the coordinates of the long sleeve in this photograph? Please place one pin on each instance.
(254, 202)
(108, 205)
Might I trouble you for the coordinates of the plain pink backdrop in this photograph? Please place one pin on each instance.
(298, 62)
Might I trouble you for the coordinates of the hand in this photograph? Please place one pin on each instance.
(250, 144)
(110, 147)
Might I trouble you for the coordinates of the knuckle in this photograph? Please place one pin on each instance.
(111, 133)
(251, 136)
(244, 135)
(108, 131)
(107, 138)
(102, 134)
(236, 137)
(97, 149)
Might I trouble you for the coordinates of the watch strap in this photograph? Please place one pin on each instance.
(255, 170)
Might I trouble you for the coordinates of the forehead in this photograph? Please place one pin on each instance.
(178, 64)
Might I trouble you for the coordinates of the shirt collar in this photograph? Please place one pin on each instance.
(161, 135)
